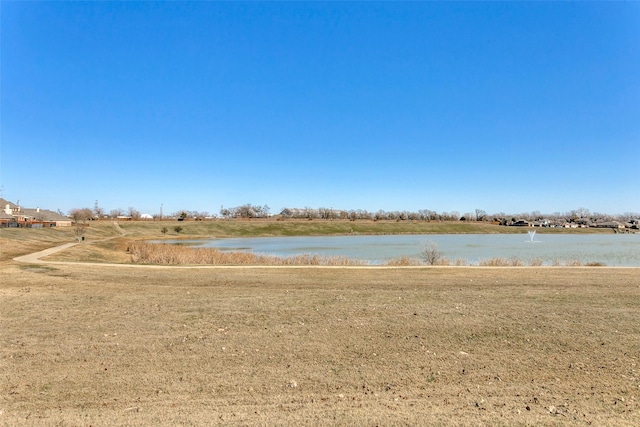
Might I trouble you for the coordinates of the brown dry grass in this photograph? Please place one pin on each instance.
(149, 253)
(88, 345)
(20, 241)
(141, 252)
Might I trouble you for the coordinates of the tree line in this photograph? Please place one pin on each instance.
(252, 211)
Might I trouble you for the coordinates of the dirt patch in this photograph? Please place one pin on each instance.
(37, 268)
(446, 346)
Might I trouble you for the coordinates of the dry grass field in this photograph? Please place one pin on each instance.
(103, 345)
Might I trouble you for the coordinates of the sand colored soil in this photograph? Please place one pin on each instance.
(103, 345)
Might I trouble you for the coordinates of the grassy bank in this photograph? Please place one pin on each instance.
(21, 241)
(249, 228)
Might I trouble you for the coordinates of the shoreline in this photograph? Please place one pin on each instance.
(36, 258)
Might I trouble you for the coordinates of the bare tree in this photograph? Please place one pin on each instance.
(480, 215)
(582, 213)
(225, 213)
(324, 213)
(134, 213)
(80, 218)
(286, 213)
(431, 255)
(629, 216)
(380, 215)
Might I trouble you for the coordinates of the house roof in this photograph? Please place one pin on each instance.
(4, 215)
(4, 203)
(37, 214)
(43, 215)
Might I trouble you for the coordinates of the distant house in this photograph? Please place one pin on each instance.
(542, 223)
(8, 207)
(16, 216)
(7, 220)
(47, 217)
(146, 216)
(608, 224)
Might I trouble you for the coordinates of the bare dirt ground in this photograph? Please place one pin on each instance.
(91, 345)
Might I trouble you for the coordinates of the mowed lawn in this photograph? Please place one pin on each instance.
(87, 345)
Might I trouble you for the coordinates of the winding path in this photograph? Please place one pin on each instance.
(34, 258)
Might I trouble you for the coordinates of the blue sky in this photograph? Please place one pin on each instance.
(506, 107)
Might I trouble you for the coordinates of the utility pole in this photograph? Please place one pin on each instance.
(161, 204)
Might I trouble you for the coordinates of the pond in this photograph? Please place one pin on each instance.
(609, 249)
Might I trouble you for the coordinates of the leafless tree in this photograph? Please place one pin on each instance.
(480, 215)
(628, 216)
(286, 213)
(451, 216)
(431, 254)
(324, 213)
(597, 216)
(225, 213)
(80, 218)
(134, 213)
(582, 213)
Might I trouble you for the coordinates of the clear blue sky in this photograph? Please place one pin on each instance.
(505, 107)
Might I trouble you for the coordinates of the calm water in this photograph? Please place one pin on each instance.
(610, 249)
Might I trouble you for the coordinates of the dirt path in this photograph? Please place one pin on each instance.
(120, 230)
(34, 258)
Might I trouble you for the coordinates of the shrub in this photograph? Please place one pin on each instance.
(495, 262)
(402, 262)
(516, 262)
(431, 255)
